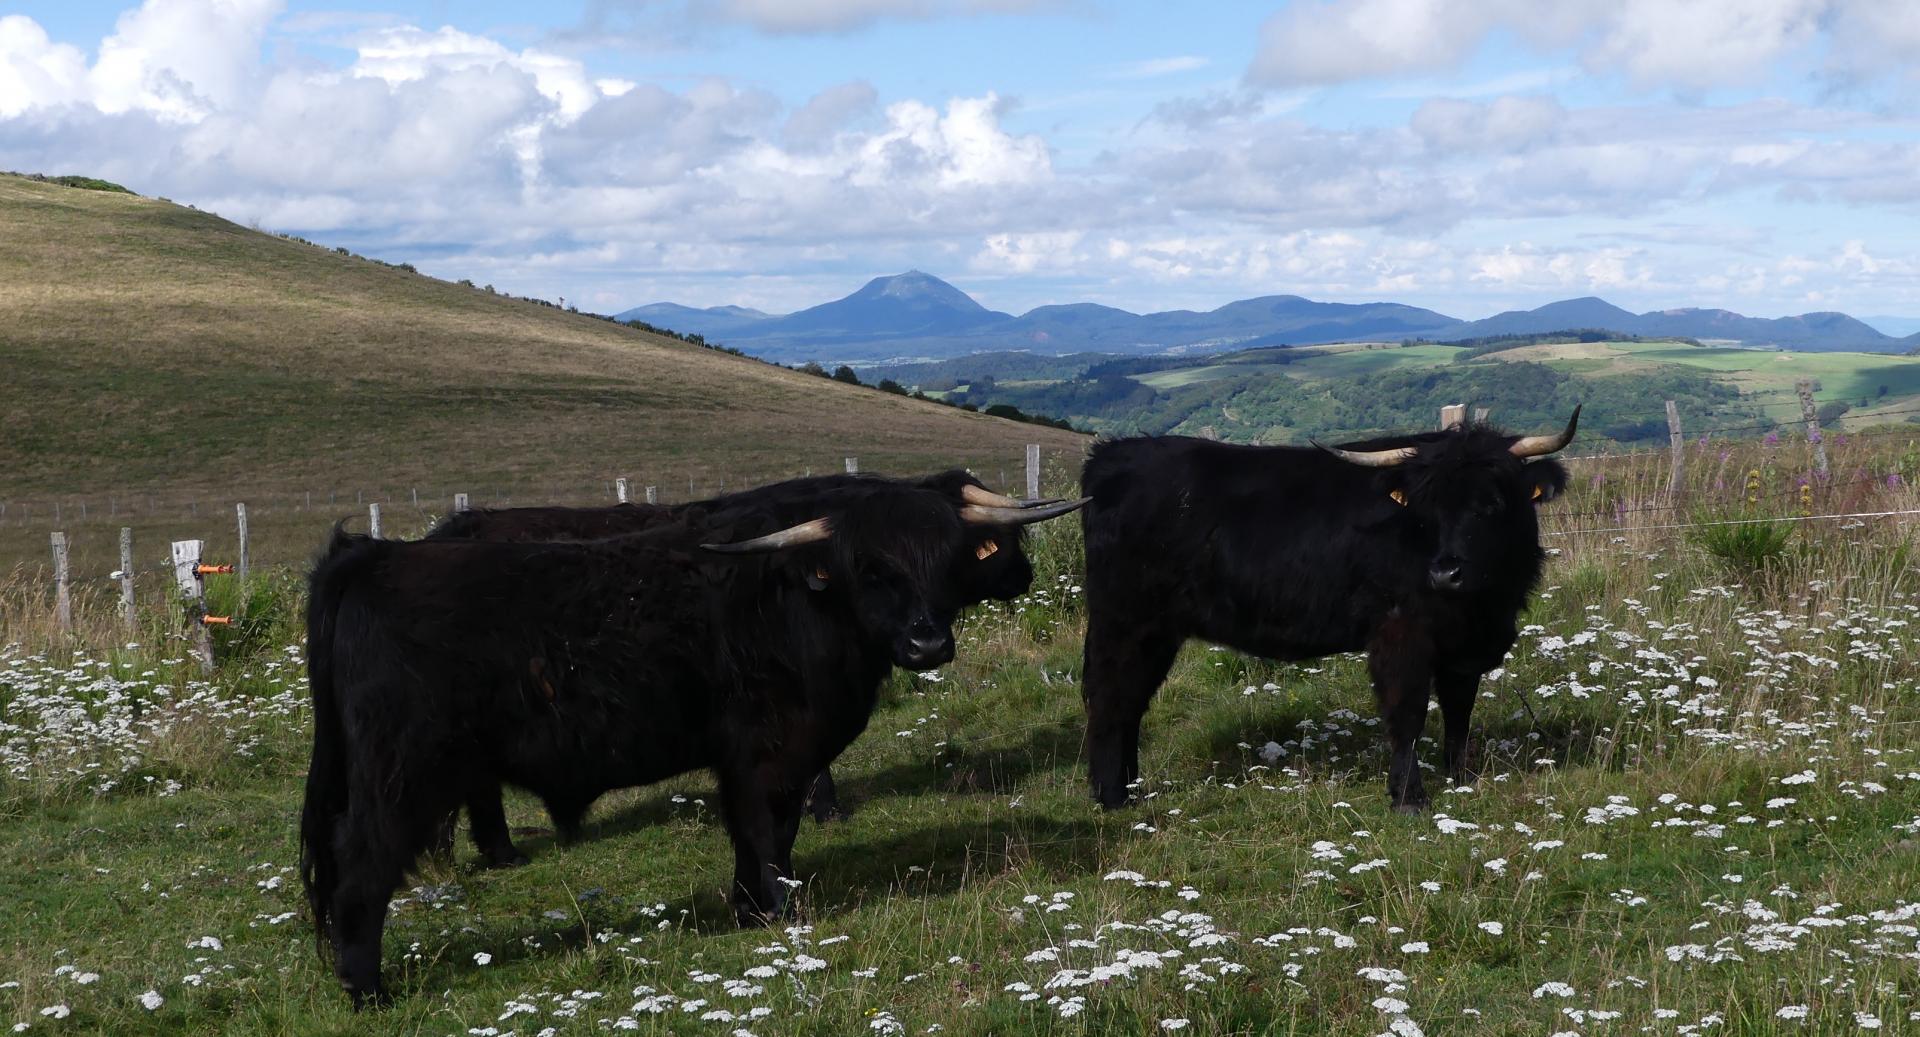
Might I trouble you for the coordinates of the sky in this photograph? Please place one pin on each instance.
(1467, 155)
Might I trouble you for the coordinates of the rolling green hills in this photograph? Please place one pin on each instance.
(156, 353)
(1289, 394)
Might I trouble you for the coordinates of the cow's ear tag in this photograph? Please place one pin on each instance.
(1399, 497)
(1539, 492)
(817, 580)
(986, 550)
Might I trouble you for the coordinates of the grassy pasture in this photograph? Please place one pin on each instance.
(1766, 375)
(1699, 812)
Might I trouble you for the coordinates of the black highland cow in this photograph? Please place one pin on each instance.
(439, 667)
(1000, 571)
(1420, 550)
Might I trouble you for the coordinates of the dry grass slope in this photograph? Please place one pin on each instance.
(152, 348)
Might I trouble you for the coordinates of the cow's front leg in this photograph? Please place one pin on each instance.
(1400, 658)
(1456, 692)
(761, 803)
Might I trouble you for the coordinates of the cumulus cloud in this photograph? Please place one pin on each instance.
(521, 162)
(1692, 45)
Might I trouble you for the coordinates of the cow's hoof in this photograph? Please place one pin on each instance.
(502, 861)
(370, 1000)
(825, 815)
(1415, 809)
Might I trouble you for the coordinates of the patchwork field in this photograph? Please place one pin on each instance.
(1698, 812)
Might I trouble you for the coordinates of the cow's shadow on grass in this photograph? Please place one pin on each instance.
(928, 861)
(989, 769)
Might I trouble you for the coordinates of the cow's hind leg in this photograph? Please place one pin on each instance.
(1400, 658)
(1123, 667)
(1456, 692)
(488, 815)
(823, 800)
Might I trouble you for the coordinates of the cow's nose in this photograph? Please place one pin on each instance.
(1445, 576)
(928, 645)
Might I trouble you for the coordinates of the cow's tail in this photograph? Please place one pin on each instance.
(345, 558)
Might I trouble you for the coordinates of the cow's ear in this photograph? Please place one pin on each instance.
(1546, 479)
(1391, 487)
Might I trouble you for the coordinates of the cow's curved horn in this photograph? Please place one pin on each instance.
(988, 499)
(1535, 446)
(1372, 458)
(793, 536)
(982, 515)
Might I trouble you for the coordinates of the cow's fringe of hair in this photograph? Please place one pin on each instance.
(326, 797)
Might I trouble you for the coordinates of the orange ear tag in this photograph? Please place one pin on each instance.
(1539, 492)
(820, 573)
(1399, 498)
(986, 548)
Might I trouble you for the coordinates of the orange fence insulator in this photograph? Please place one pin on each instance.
(209, 570)
(217, 621)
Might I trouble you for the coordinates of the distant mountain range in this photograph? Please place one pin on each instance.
(918, 315)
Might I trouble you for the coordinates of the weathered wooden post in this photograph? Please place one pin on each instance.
(853, 466)
(653, 495)
(1452, 415)
(186, 576)
(620, 490)
(1033, 471)
(62, 594)
(373, 520)
(1480, 415)
(240, 570)
(459, 503)
(1677, 448)
(126, 576)
(1805, 388)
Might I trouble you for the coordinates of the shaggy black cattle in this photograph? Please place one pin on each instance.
(1000, 570)
(441, 666)
(1420, 549)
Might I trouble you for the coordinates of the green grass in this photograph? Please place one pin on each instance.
(1641, 757)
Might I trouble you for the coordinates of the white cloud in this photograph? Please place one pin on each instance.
(34, 70)
(181, 58)
(818, 16)
(1155, 67)
(1687, 44)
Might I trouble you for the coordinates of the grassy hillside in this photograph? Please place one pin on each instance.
(1698, 812)
(1289, 394)
(156, 354)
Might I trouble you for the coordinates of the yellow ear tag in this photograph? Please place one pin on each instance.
(986, 548)
(820, 573)
(1399, 498)
(1539, 492)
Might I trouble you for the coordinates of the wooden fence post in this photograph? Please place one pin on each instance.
(1805, 388)
(1033, 471)
(1480, 415)
(186, 576)
(653, 495)
(240, 569)
(126, 575)
(620, 490)
(853, 466)
(62, 594)
(373, 520)
(1452, 415)
(1677, 447)
(459, 503)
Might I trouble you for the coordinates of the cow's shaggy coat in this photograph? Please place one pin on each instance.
(1296, 553)
(442, 666)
